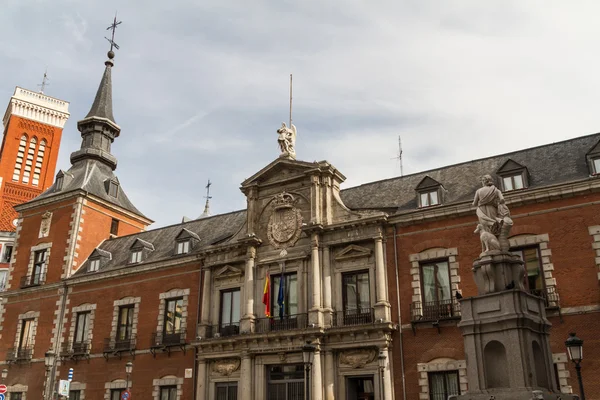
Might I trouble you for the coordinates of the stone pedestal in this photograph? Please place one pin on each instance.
(506, 336)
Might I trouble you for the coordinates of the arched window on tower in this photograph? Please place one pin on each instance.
(38, 163)
(20, 156)
(29, 160)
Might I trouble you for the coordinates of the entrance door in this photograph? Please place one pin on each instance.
(360, 388)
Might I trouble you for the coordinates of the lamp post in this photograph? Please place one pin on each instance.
(308, 354)
(49, 359)
(381, 359)
(128, 370)
(575, 350)
(4, 374)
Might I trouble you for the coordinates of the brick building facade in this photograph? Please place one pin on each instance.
(367, 275)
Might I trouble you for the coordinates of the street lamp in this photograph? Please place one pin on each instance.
(381, 359)
(575, 350)
(49, 358)
(308, 354)
(128, 370)
(4, 374)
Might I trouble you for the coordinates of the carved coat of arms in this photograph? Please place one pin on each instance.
(285, 223)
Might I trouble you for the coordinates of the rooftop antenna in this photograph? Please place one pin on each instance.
(290, 101)
(44, 81)
(206, 212)
(399, 156)
(112, 27)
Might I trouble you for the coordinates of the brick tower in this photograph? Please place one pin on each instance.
(33, 125)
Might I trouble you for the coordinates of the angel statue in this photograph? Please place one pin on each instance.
(287, 141)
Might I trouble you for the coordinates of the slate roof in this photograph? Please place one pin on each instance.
(209, 230)
(92, 176)
(102, 106)
(547, 165)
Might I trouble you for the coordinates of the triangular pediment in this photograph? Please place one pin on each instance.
(594, 150)
(228, 271)
(142, 244)
(187, 234)
(352, 251)
(427, 183)
(280, 170)
(98, 253)
(510, 166)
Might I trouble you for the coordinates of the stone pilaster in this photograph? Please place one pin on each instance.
(329, 387)
(382, 307)
(248, 320)
(246, 389)
(205, 311)
(202, 378)
(315, 315)
(316, 378)
(327, 286)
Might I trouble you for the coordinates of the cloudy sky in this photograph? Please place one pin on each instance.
(200, 87)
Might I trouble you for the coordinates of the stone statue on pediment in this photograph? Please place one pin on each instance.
(287, 141)
(493, 214)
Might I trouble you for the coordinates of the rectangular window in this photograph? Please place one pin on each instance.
(3, 276)
(15, 395)
(597, 166)
(39, 267)
(115, 394)
(284, 300)
(82, 325)
(136, 256)
(356, 291)
(435, 279)
(7, 253)
(125, 323)
(74, 394)
(226, 390)
(168, 393)
(94, 265)
(173, 316)
(114, 227)
(285, 382)
(59, 182)
(113, 189)
(429, 199)
(230, 312)
(534, 279)
(26, 339)
(183, 247)
(443, 384)
(361, 388)
(514, 182)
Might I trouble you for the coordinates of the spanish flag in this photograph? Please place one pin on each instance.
(267, 296)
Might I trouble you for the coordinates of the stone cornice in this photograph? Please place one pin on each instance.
(37, 107)
(528, 196)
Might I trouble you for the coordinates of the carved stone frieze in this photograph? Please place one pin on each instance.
(45, 224)
(285, 223)
(226, 366)
(357, 358)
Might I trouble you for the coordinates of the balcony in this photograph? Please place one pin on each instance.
(550, 296)
(359, 316)
(115, 347)
(223, 330)
(433, 311)
(21, 354)
(75, 350)
(32, 280)
(276, 324)
(165, 341)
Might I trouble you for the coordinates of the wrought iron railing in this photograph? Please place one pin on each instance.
(32, 280)
(358, 316)
(75, 348)
(549, 294)
(117, 345)
(23, 353)
(175, 338)
(287, 323)
(223, 330)
(435, 310)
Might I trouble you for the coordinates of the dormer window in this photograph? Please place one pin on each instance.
(113, 188)
(513, 182)
(596, 164)
(60, 180)
(183, 247)
(513, 176)
(593, 158)
(136, 256)
(429, 192)
(94, 265)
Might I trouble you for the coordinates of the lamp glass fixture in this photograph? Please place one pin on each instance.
(308, 353)
(381, 359)
(574, 347)
(4, 373)
(128, 367)
(49, 358)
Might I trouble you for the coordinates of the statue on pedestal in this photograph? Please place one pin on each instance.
(287, 141)
(494, 217)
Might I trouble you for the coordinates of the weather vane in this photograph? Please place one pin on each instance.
(113, 27)
(44, 81)
(208, 196)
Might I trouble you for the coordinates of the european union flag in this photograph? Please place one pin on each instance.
(281, 296)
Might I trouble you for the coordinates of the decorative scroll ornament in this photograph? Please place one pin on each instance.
(285, 223)
(226, 366)
(357, 358)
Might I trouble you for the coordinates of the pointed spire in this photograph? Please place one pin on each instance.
(206, 212)
(102, 107)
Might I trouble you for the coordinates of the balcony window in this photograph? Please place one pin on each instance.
(26, 338)
(435, 279)
(168, 393)
(125, 323)
(534, 278)
(284, 298)
(356, 295)
(82, 325)
(39, 267)
(173, 316)
(443, 384)
(230, 312)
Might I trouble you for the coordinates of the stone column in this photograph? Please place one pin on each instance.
(317, 383)
(247, 321)
(387, 377)
(327, 309)
(202, 381)
(315, 316)
(246, 388)
(382, 307)
(205, 310)
(329, 376)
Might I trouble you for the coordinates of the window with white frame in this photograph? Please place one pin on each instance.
(429, 192)
(39, 267)
(136, 256)
(94, 265)
(183, 247)
(20, 156)
(513, 182)
(6, 253)
(596, 164)
(38, 163)
(429, 198)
